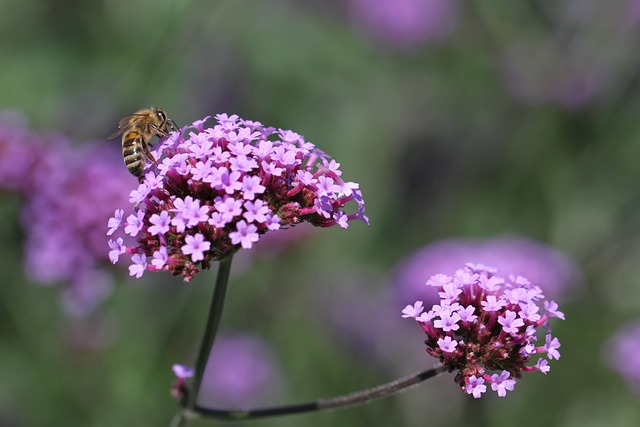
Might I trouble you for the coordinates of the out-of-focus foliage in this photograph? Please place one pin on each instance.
(516, 118)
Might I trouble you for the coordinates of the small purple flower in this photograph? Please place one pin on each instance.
(273, 222)
(179, 388)
(139, 194)
(272, 169)
(543, 366)
(492, 303)
(228, 207)
(342, 219)
(552, 309)
(195, 214)
(229, 181)
(447, 344)
(510, 323)
(117, 249)
(181, 371)
(160, 223)
(412, 310)
(202, 171)
(530, 312)
(551, 346)
(223, 187)
(138, 266)
(502, 382)
(245, 235)
(160, 258)
(475, 386)
(466, 314)
(473, 332)
(256, 211)
(134, 224)
(243, 164)
(195, 246)
(251, 186)
(447, 322)
(115, 222)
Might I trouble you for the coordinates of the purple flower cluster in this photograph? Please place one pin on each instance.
(69, 193)
(623, 354)
(485, 323)
(223, 187)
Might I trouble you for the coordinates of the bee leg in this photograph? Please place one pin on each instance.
(157, 131)
(147, 152)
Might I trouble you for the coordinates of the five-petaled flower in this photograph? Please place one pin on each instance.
(217, 189)
(486, 323)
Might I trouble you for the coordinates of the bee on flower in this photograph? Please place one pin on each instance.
(220, 188)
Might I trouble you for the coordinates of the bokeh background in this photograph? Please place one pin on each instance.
(459, 119)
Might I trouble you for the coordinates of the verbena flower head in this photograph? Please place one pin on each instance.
(220, 188)
(485, 327)
(622, 352)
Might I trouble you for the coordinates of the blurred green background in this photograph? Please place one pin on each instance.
(507, 117)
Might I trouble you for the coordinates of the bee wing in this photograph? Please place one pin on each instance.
(116, 133)
(123, 124)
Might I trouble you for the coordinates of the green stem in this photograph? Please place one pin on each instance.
(340, 402)
(213, 322)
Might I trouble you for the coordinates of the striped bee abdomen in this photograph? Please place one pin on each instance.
(133, 153)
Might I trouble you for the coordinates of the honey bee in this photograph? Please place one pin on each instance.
(137, 130)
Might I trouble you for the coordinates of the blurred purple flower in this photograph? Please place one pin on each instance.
(70, 193)
(404, 24)
(622, 353)
(24, 155)
(546, 267)
(241, 372)
(223, 188)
